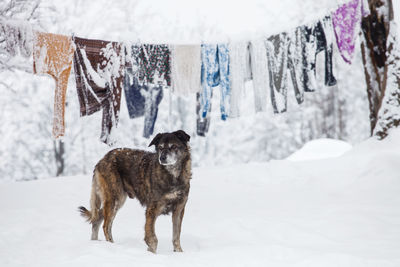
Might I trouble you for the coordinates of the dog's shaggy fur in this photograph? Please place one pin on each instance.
(160, 181)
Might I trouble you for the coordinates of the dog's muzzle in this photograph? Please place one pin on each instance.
(167, 159)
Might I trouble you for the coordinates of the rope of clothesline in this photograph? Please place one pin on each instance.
(229, 40)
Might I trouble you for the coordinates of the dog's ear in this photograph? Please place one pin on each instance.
(156, 140)
(184, 137)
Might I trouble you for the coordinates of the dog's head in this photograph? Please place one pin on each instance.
(171, 148)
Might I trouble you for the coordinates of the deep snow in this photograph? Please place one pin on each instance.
(342, 211)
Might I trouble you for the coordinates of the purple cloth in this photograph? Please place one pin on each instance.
(346, 24)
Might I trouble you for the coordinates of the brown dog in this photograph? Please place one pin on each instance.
(160, 181)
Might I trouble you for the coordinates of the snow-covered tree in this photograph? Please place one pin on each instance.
(381, 66)
(389, 113)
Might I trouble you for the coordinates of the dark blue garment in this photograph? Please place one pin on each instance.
(202, 124)
(315, 41)
(134, 99)
(153, 96)
(142, 97)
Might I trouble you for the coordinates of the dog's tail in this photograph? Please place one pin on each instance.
(85, 213)
(95, 204)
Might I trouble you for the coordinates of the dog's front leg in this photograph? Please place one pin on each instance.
(177, 216)
(150, 236)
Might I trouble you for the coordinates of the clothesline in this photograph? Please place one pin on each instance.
(103, 69)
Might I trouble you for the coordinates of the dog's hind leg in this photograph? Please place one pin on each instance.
(96, 226)
(94, 216)
(95, 206)
(109, 211)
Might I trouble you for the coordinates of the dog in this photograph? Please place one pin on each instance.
(160, 181)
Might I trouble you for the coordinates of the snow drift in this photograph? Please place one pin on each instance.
(319, 149)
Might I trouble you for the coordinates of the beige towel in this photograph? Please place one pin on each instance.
(186, 69)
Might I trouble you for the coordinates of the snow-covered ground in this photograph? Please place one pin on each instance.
(342, 211)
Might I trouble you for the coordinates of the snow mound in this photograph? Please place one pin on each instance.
(320, 149)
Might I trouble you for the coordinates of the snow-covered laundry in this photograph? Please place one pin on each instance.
(239, 72)
(99, 68)
(277, 51)
(185, 68)
(209, 78)
(317, 38)
(297, 52)
(132, 59)
(135, 101)
(147, 71)
(347, 24)
(142, 100)
(52, 55)
(16, 36)
(259, 70)
(202, 124)
(214, 72)
(154, 63)
(153, 95)
(295, 63)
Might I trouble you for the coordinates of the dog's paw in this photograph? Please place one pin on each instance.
(178, 250)
(152, 250)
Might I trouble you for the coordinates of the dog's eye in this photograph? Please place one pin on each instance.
(173, 147)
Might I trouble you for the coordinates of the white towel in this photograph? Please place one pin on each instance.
(259, 69)
(186, 69)
(239, 72)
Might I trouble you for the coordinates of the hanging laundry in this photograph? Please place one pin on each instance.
(147, 72)
(16, 36)
(186, 69)
(153, 95)
(99, 67)
(209, 79)
(135, 101)
(347, 23)
(154, 62)
(259, 70)
(326, 27)
(277, 51)
(295, 63)
(223, 62)
(202, 124)
(215, 71)
(52, 55)
(239, 72)
(315, 41)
